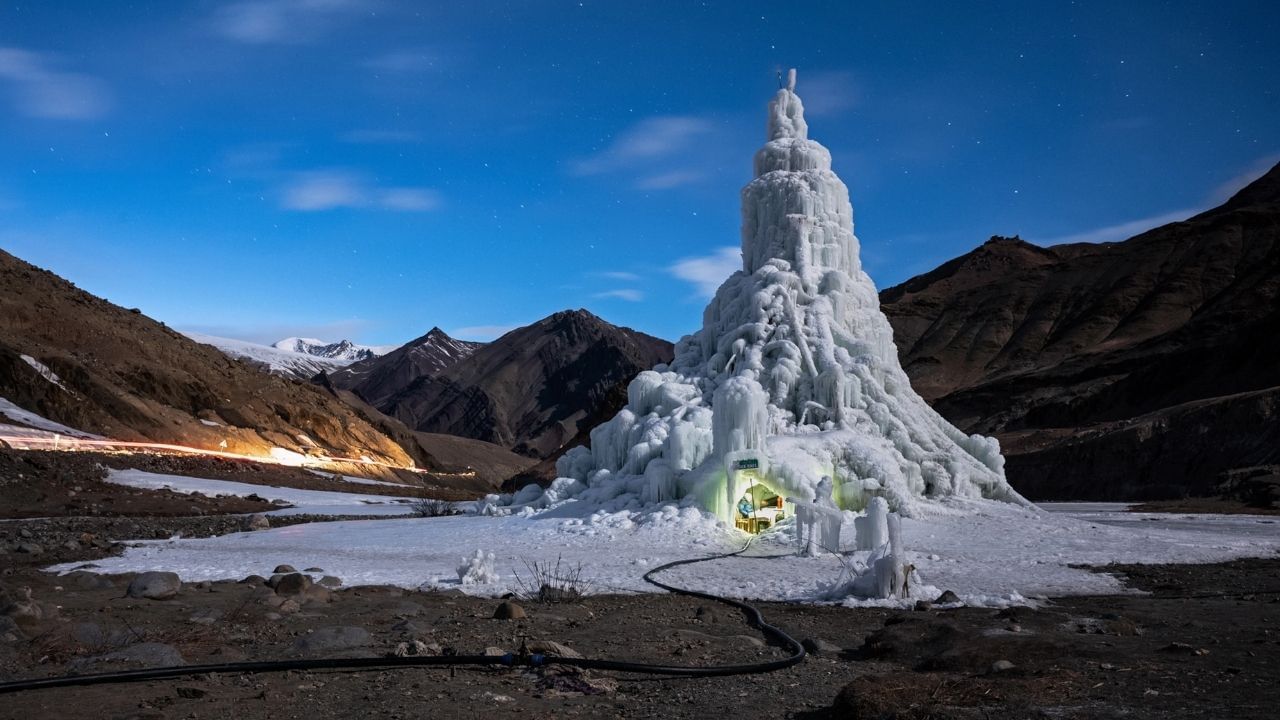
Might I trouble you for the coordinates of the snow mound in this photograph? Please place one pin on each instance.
(794, 376)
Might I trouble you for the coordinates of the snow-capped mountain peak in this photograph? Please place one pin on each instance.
(344, 350)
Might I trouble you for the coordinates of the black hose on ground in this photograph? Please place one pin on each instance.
(753, 615)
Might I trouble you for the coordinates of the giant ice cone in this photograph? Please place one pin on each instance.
(794, 373)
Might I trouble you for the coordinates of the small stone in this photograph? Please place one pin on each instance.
(410, 648)
(492, 651)
(190, 693)
(923, 605)
(818, 646)
(205, 616)
(257, 521)
(29, 548)
(254, 580)
(284, 569)
(155, 586)
(289, 607)
(946, 598)
(1000, 666)
(314, 569)
(509, 611)
(407, 627)
(330, 581)
(553, 648)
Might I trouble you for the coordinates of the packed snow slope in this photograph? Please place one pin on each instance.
(795, 365)
(343, 351)
(275, 360)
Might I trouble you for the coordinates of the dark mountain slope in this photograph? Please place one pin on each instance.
(531, 389)
(1080, 357)
(127, 376)
(375, 379)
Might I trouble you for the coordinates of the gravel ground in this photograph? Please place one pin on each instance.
(1207, 640)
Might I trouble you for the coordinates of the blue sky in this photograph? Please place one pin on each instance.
(372, 168)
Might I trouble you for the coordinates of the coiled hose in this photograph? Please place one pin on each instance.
(753, 616)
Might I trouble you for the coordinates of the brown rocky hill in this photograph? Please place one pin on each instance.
(377, 378)
(1137, 369)
(531, 390)
(128, 377)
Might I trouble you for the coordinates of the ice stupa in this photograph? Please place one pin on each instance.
(793, 377)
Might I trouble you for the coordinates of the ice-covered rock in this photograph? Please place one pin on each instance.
(478, 569)
(793, 377)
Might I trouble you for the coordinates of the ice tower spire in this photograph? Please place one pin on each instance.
(794, 369)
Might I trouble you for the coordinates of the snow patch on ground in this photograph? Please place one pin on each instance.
(990, 553)
(43, 427)
(353, 479)
(44, 371)
(304, 501)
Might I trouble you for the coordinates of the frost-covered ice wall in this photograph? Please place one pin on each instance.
(794, 363)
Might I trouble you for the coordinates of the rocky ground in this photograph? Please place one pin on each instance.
(1204, 642)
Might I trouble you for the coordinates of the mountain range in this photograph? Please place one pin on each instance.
(529, 391)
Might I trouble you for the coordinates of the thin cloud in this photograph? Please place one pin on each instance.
(669, 180)
(334, 189)
(409, 199)
(628, 294)
(1236, 183)
(483, 333)
(1125, 230)
(707, 273)
(262, 22)
(405, 61)
(619, 275)
(647, 140)
(829, 93)
(1121, 231)
(42, 91)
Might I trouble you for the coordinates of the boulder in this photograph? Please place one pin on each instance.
(818, 646)
(553, 648)
(293, 584)
(509, 611)
(155, 586)
(257, 521)
(284, 569)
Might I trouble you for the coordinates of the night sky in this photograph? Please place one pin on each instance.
(371, 168)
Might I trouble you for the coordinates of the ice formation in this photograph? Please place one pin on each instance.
(478, 569)
(793, 377)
